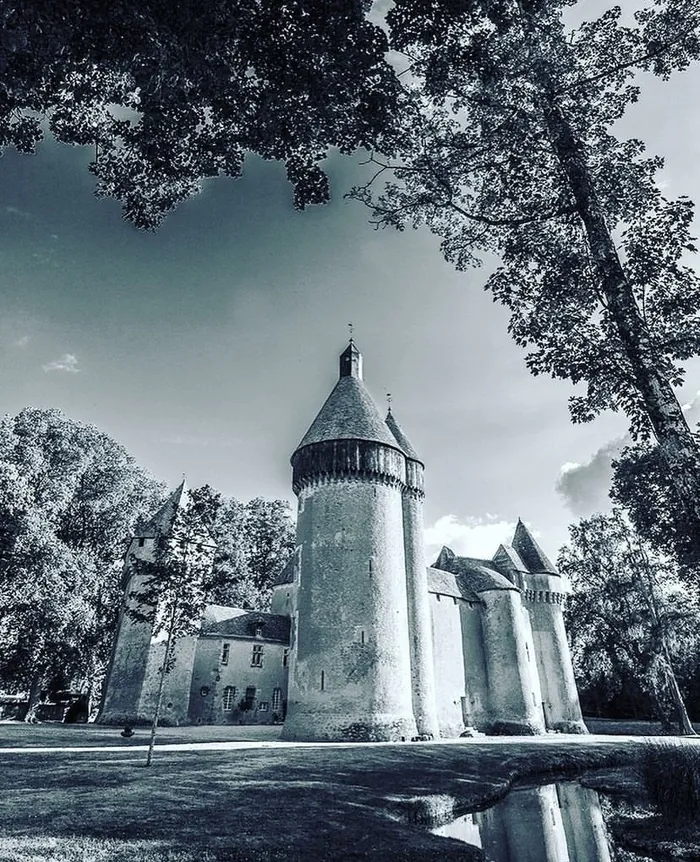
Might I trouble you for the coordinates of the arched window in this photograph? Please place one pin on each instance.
(229, 695)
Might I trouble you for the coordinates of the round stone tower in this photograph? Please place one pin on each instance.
(351, 668)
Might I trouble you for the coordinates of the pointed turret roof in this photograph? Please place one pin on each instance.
(479, 576)
(400, 437)
(162, 521)
(349, 412)
(509, 558)
(530, 552)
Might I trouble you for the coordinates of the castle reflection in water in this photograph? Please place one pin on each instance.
(552, 823)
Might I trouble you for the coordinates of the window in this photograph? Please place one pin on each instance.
(142, 542)
(257, 657)
(250, 696)
(228, 698)
(276, 699)
(323, 680)
(285, 658)
(225, 651)
(263, 706)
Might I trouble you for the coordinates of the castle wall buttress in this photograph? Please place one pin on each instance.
(513, 704)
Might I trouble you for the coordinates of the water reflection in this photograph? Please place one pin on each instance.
(553, 823)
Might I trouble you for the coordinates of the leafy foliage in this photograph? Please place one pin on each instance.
(632, 623)
(254, 542)
(641, 485)
(168, 94)
(69, 495)
(509, 151)
(175, 584)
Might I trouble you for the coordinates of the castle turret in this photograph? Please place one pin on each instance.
(351, 667)
(422, 663)
(544, 592)
(131, 681)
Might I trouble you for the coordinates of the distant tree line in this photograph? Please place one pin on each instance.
(70, 498)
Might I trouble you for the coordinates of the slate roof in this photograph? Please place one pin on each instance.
(400, 437)
(447, 584)
(286, 576)
(530, 552)
(275, 627)
(162, 521)
(349, 414)
(479, 576)
(509, 558)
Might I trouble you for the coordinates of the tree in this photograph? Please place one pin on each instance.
(177, 582)
(69, 498)
(170, 93)
(642, 485)
(254, 542)
(508, 150)
(630, 619)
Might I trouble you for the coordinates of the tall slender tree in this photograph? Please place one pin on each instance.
(176, 583)
(509, 150)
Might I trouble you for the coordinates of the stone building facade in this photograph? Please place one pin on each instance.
(364, 640)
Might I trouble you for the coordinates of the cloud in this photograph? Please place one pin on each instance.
(22, 342)
(474, 537)
(18, 213)
(585, 487)
(68, 362)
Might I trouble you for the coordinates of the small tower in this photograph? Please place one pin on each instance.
(544, 592)
(351, 668)
(421, 642)
(127, 676)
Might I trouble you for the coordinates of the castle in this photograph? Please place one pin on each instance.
(364, 641)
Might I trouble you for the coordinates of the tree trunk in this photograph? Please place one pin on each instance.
(685, 725)
(34, 694)
(676, 442)
(161, 685)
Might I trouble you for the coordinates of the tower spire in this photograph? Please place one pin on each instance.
(351, 361)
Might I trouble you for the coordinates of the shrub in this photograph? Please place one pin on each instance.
(670, 772)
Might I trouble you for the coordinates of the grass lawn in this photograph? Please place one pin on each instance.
(258, 804)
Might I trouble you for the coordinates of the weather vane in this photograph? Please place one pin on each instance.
(350, 330)
(388, 400)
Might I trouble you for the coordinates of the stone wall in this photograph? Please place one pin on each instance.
(209, 702)
(351, 676)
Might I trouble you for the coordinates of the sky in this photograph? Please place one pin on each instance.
(208, 348)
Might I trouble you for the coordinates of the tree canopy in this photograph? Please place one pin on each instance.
(509, 150)
(254, 542)
(70, 498)
(632, 622)
(170, 93)
(69, 495)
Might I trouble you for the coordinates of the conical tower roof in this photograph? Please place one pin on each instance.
(398, 434)
(162, 521)
(349, 412)
(530, 552)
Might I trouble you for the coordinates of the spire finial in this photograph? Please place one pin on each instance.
(350, 330)
(388, 401)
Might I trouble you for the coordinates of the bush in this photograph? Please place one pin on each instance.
(670, 772)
